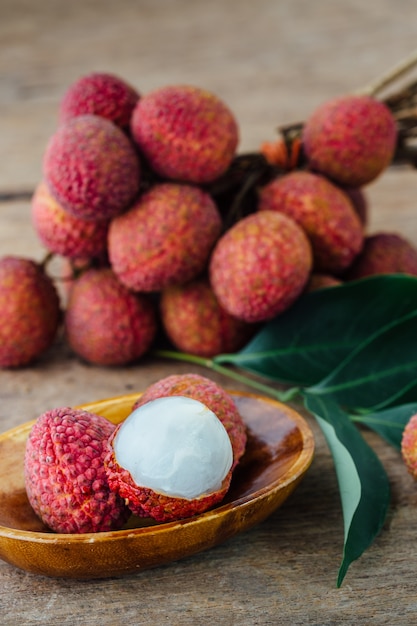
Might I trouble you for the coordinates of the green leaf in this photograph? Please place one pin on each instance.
(378, 371)
(389, 423)
(363, 483)
(307, 342)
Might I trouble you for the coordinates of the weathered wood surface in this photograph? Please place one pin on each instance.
(272, 62)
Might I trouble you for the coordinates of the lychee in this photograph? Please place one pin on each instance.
(196, 323)
(106, 324)
(186, 133)
(323, 211)
(91, 168)
(321, 281)
(100, 94)
(359, 202)
(29, 311)
(260, 266)
(171, 458)
(65, 478)
(409, 446)
(62, 233)
(210, 394)
(165, 238)
(351, 139)
(384, 253)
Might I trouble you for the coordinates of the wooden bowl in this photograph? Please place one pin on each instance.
(279, 451)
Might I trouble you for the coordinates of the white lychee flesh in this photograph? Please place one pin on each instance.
(175, 446)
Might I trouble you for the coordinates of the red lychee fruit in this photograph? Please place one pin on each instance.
(320, 281)
(186, 133)
(30, 311)
(260, 266)
(62, 233)
(196, 323)
(106, 324)
(91, 168)
(359, 202)
(323, 211)
(210, 394)
(351, 139)
(165, 238)
(102, 94)
(65, 478)
(384, 253)
(170, 459)
(409, 446)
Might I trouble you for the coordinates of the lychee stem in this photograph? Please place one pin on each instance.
(389, 77)
(281, 396)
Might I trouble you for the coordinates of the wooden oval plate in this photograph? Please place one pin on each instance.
(279, 451)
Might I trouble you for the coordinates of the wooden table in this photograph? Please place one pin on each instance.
(272, 62)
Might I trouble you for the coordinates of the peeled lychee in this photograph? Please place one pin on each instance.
(65, 478)
(106, 324)
(165, 238)
(409, 446)
(170, 459)
(186, 133)
(260, 266)
(384, 253)
(351, 139)
(210, 394)
(100, 94)
(323, 211)
(29, 311)
(62, 233)
(196, 323)
(91, 168)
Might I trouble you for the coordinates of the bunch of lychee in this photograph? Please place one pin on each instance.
(128, 200)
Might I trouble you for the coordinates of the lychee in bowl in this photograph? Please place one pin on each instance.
(279, 451)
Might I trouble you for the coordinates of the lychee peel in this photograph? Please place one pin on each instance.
(211, 395)
(106, 324)
(102, 94)
(30, 312)
(409, 446)
(64, 234)
(64, 472)
(91, 168)
(323, 211)
(260, 266)
(196, 323)
(351, 139)
(165, 238)
(186, 133)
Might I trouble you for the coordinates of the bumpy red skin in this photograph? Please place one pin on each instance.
(91, 168)
(145, 502)
(325, 214)
(100, 94)
(196, 323)
(106, 324)
(384, 253)
(409, 446)
(260, 266)
(186, 133)
(165, 238)
(148, 503)
(209, 393)
(62, 233)
(351, 139)
(65, 477)
(359, 202)
(30, 311)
